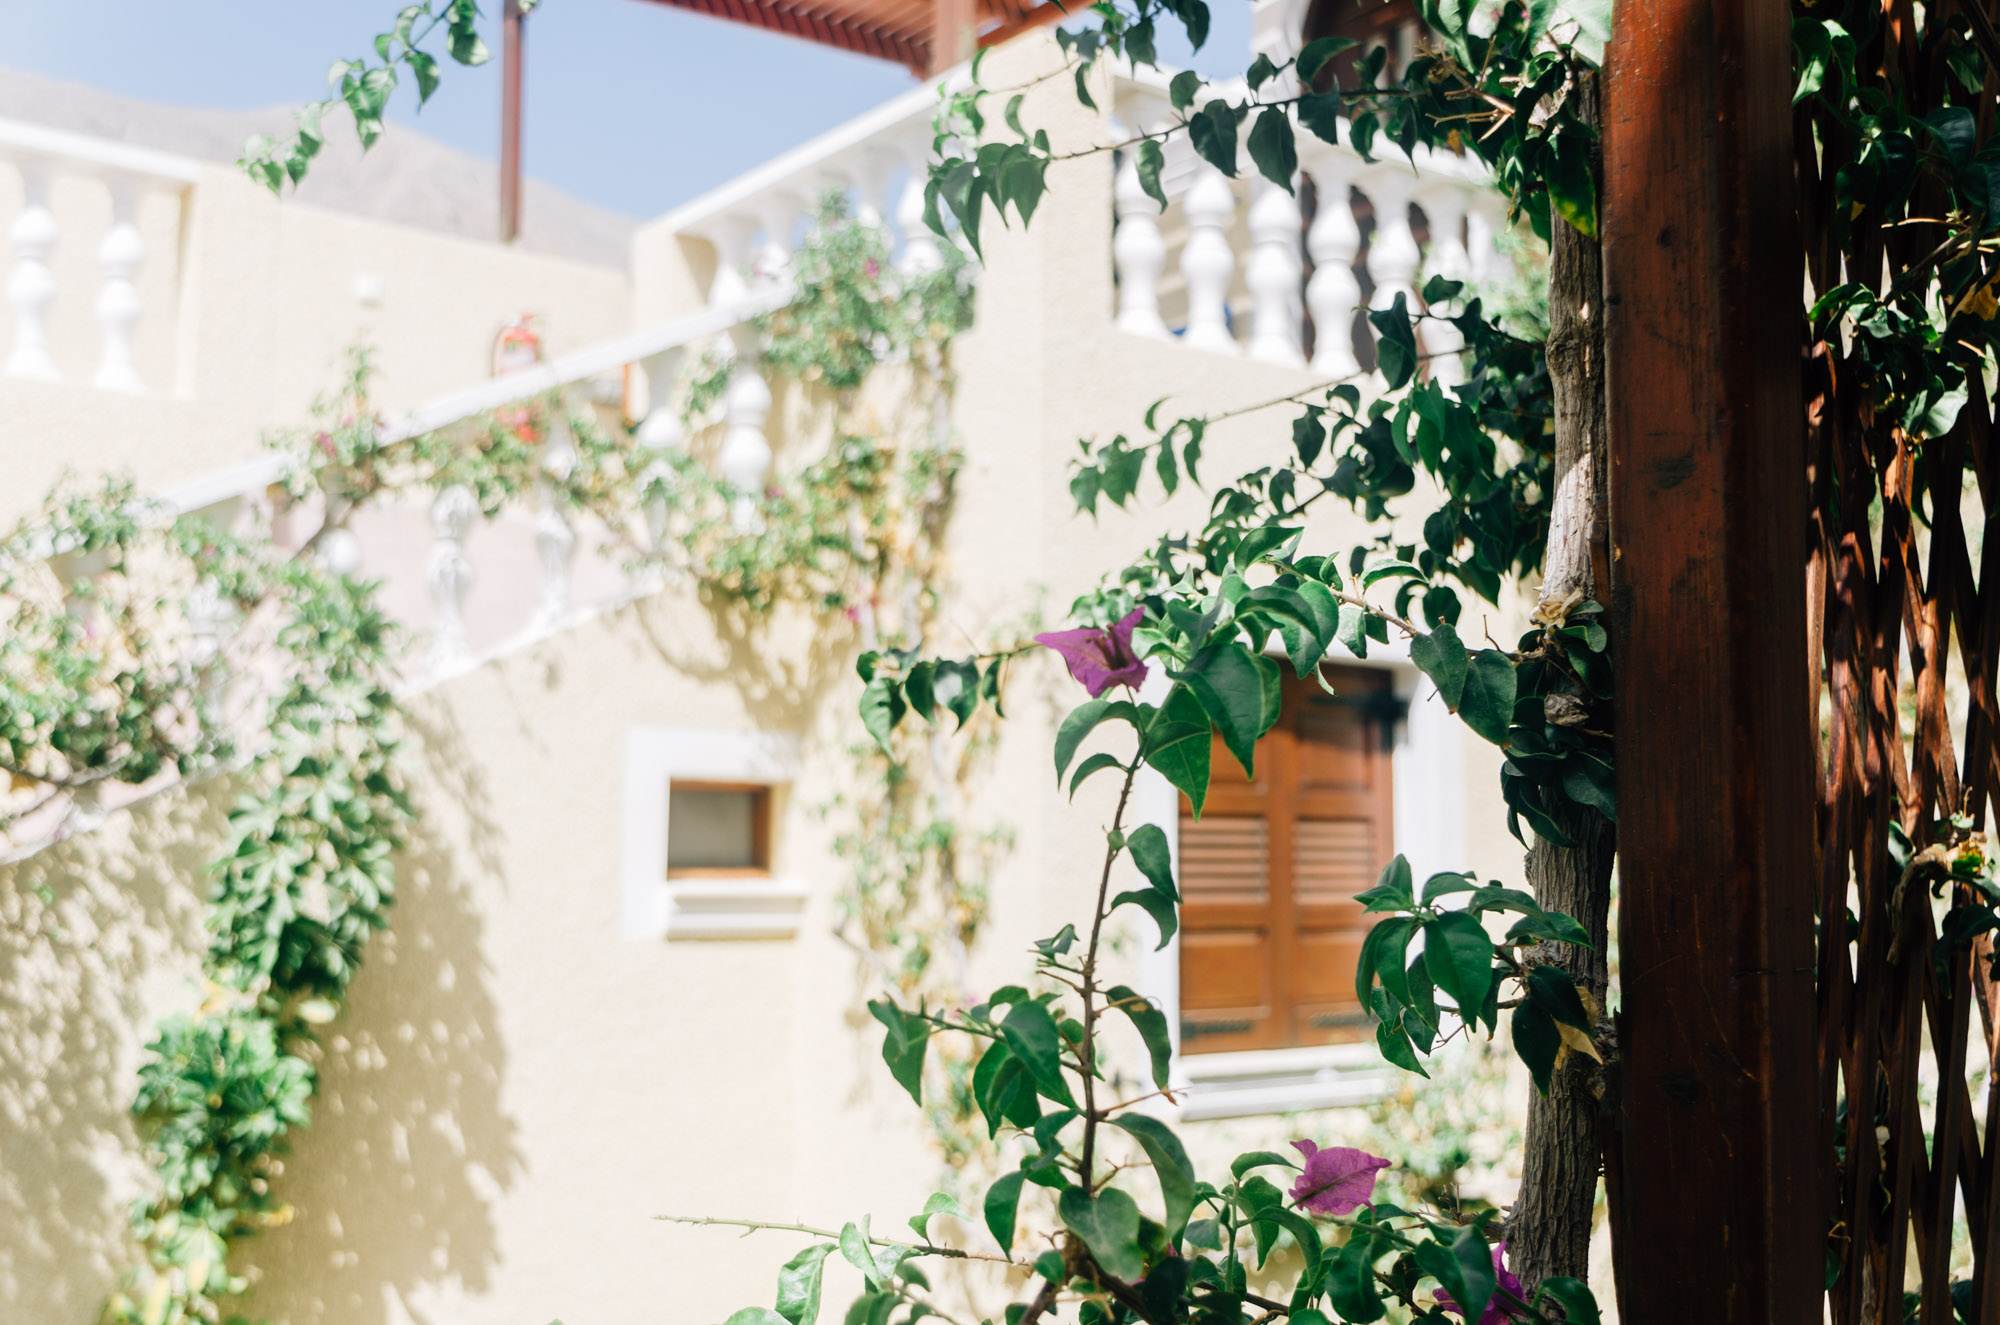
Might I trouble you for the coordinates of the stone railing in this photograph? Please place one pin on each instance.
(103, 187)
(1242, 267)
(542, 577)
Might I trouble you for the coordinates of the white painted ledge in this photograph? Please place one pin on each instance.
(733, 908)
(1235, 1085)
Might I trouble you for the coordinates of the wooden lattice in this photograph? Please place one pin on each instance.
(1906, 634)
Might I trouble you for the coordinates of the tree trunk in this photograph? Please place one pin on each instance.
(1550, 1230)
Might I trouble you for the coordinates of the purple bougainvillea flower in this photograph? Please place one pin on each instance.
(1100, 659)
(1337, 1181)
(1497, 1312)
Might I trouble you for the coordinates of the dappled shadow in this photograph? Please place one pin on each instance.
(410, 1146)
(99, 938)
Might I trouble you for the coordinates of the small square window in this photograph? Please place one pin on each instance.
(718, 828)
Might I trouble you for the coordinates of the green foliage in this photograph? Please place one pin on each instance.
(364, 88)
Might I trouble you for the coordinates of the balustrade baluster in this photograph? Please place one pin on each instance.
(871, 171)
(450, 576)
(555, 539)
(1392, 248)
(745, 456)
(1206, 262)
(1273, 274)
(731, 237)
(778, 213)
(1444, 207)
(1139, 253)
(661, 428)
(1484, 221)
(118, 304)
(32, 287)
(921, 254)
(1333, 294)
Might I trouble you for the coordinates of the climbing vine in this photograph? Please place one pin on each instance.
(138, 647)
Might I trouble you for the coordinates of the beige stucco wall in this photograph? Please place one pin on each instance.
(517, 1089)
(250, 305)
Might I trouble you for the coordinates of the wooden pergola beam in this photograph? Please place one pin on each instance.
(1715, 1169)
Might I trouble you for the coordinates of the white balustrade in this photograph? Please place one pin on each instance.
(32, 287)
(1139, 252)
(1392, 248)
(921, 254)
(555, 539)
(777, 215)
(1444, 205)
(118, 302)
(745, 457)
(1206, 262)
(1333, 294)
(127, 174)
(1274, 274)
(450, 576)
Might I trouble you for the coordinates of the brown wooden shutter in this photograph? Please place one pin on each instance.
(1269, 927)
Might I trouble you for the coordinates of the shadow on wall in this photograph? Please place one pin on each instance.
(97, 940)
(410, 1146)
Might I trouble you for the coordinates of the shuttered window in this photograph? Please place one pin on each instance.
(1270, 929)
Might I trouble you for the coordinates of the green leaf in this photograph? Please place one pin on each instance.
(1297, 1225)
(1464, 1267)
(1151, 1023)
(854, 1246)
(756, 1316)
(1178, 745)
(1271, 147)
(1082, 720)
(956, 687)
(1316, 54)
(1181, 91)
(1212, 133)
(1487, 701)
(1319, 114)
(1537, 1041)
(1572, 185)
(1031, 1033)
(1382, 955)
(799, 1284)
(1108, 1223)
(1442, 657)
(1156, 905)
(1152, 158)
(1097, 763)
(1554, 990)
(1148, 845)
(425, 70)
(919, 691)
(1170, 1165)
(1392, 890)
(1351, 1286)
(1003, 1202)
(882, 708)
(940, 1203)
(1390, 570)
(1396, 348)
(904, 1046)
(1459, 956)
(1352, 631)
(1258, 1159)
(1578, 1303)
(1226, 680)
(1394, 1042)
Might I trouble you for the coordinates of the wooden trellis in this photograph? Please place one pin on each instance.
(1905, 632)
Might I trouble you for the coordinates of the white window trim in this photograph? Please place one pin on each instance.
(1427, 765)
(653, 906)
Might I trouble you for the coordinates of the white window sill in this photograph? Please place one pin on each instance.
(733, 908)
(1257, 1081)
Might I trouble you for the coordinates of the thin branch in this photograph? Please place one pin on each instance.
(758, 1225)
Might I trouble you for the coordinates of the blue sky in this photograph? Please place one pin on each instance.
(631, 105)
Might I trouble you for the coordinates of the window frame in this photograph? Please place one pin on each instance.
(704, 903)
(761, 794)
(1428, 768)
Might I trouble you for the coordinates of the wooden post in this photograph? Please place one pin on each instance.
(513, 33)
(1715, 1168)
(953, 35)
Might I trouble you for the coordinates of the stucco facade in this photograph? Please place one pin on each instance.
(520, 1083)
